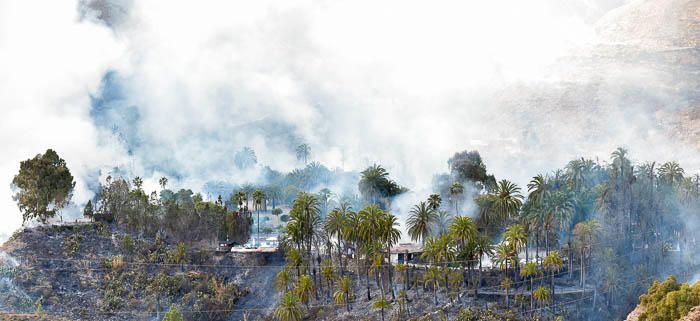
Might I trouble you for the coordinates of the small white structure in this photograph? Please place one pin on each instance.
(405, 252)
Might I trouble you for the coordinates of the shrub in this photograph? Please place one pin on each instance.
(668, 300)
(73, 245)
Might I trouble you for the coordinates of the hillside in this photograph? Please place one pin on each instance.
(89, 272)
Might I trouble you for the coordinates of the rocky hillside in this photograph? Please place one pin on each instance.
(89, 272)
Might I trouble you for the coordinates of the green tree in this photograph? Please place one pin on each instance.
(288, 309)
(529, 271)
(421, 218)
(88, 211)
(434, 201)
(553, 263)
(173, 314)
(456, 190)
(304, 288)
(44, 186)
(283, 280)
(432, 278)
(343, 292)
(381, 304)
(303, 152)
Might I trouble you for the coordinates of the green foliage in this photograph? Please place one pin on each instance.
(72, 245)
(173, 314)
(178, 255)
(669, 300)
(284, 218)
(128, 245)
(45, 186)
(289, 308)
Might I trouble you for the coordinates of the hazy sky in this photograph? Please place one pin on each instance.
(404, 83)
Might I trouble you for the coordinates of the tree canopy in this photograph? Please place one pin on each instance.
(45, 186)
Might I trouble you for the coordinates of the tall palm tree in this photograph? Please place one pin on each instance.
(328, 273)
(529, 271)
(389, 235)
(558, 211)
(258, 198)
(303, 152)
(343, 293)
(432, 278)
(372, 182)
(444, 220)
(419, 222)
(456, 190)
(482, 247)
(506, 284)
(304, 288)
(508, 201)
(335, 224)
(553, 263)
(240, 197)
(538, 190)
(434, 201)
(516, 237)
(585, 233)
(288, 309)
(463, 231)
(671, 173)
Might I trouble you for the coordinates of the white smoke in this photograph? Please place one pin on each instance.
(401, 83)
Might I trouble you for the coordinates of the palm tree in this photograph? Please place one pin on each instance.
(530, 270)
(294, 257)
(456, 190)
(283, 280)
(507, 202)
(671, 173)
(389, 235)
(516, 237)
(434, 201)
(163, 181)
(381, 304)
(258, 197)
(327, 272)
(288, 309)
(335, 224)
(304, 288)
(558, 210)
(402, 300)
(553, 263)
(463, 231)
(343, 292)
(305, 213)
(402, 270)
(240, 197)
(506, 284)
(585, 233)
(372, 182)
(541, 295)
(419, 223)
(482, 247)
(444, 219)
(538, 190)
(303, 152)
(432, 278)
(504, 257)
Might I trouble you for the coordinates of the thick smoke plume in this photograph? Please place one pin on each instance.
(159, 88)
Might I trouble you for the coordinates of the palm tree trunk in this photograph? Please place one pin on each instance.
(369, 296)
(391, 275)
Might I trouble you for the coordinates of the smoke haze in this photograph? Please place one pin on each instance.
(159, 88)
